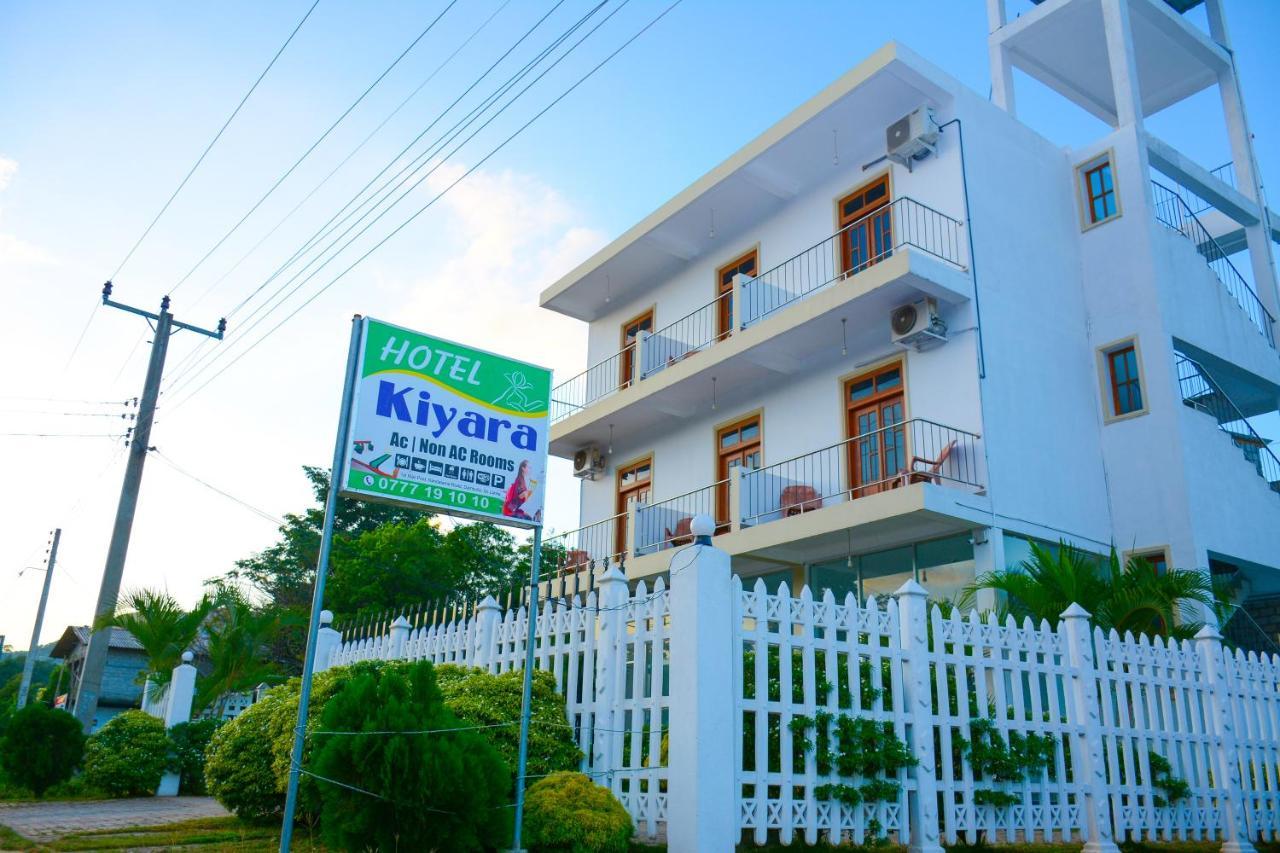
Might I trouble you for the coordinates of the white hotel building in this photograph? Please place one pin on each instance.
(901, 332)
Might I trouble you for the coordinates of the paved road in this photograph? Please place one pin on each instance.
(47, 821)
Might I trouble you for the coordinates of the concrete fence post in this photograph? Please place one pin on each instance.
(181, 694)
(399, 636)
(917, 704)
(488, 615)
(1225, 757)
(327, 641)
(606, 749)
(1086, 743)
(702, 805)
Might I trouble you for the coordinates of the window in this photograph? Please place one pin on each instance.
(1098, 191)
(877, 448)
(866, 226)
(630, 334)
(744, 265)
(1158, 560)
(1124, 379)
(634, 482)
(738, 445)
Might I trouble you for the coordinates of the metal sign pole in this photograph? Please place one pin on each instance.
(526, 704)
(340, 449)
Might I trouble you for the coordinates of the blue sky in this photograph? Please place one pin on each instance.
(105, 107)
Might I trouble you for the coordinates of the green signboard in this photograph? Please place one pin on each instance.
(441, 426)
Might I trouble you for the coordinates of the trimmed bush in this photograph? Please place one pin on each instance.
(189, 741)
(481, 699)
(566, 811)
(442, 791)
(41, 747)
(127, 757)
(237, 764)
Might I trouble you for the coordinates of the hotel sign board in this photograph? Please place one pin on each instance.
(439, 426)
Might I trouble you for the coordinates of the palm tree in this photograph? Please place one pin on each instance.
(236, 639)
(161, 626)
(1128, 597)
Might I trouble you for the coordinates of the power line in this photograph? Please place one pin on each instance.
(93, 312)
(132, 401)
(215, 139)
(314, 145)
(258, 512)
(437, 197)
(189, 380)
(325, 229)
(60, 435)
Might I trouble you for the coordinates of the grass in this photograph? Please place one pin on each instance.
(218, 833)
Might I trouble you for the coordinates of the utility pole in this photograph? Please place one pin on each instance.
(95, 661)
(30, 662)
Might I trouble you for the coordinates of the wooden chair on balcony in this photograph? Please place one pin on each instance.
(930, 474)
(683, 533)
(798, 499)
(573, 561)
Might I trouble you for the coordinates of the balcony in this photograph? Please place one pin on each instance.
(891, 477)
(896, 254)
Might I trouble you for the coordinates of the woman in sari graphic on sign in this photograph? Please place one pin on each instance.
(518, 493)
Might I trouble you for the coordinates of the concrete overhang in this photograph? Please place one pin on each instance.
(896, 517)
(794, 340)
(1062, 43)
(788, 158)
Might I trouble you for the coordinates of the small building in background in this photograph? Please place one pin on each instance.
(121, 680)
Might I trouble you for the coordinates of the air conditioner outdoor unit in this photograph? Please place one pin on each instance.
(587, 463)
(918, 325)
(912, 137)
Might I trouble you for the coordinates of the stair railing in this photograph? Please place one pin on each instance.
(1173, 212)
(1199, 391)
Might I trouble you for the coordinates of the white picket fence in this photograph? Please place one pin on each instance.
(1107, 702)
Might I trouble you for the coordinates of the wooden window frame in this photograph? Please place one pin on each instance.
(621, 545)
(726, 323)
(843, 247)
(626, 365)
(847, 406)
(1109, 386)
(1084, 193)
(722, 491)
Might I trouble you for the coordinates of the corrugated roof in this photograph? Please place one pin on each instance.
(78, 635)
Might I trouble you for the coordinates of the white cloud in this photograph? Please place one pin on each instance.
(15, 252)
(513, 235)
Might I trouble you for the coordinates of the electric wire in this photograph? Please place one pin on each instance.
(314, 145)
(464, 175)
(329, 227)
(205, 341)
(261, 513)
(69, 401)
(216, 137)
(93, 312)
(60, 435)
(325, 229)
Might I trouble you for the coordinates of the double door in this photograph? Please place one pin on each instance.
(866, 226)
(877, 445)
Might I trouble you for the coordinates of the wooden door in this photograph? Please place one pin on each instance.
(725, 309)
(634, 482)
(630, 333)
(877, 446)
(737, 446)
(866, 226)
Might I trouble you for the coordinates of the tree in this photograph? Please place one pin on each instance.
(128, 756)
(1128, 597)
(443, 791)
(41, 747)
(391, 565)
(161, 626)
(237, 637)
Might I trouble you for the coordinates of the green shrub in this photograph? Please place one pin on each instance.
(189, 743)
(237, 765)
(566, 811)
(127, 757)
(482, 699)
(443, 791)
(41, 747)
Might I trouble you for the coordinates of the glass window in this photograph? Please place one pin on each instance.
(945, 566)
(1126, 386)
(884, 571)
(1098, 188)
(861, 388)
(889, 379)
(772, 581)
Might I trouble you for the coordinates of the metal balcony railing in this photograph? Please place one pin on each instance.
(666, 524)
(850, 250)
(585, 551)
(1173, 212)
(1225, 173)
(1201, 392)
(913, 451)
